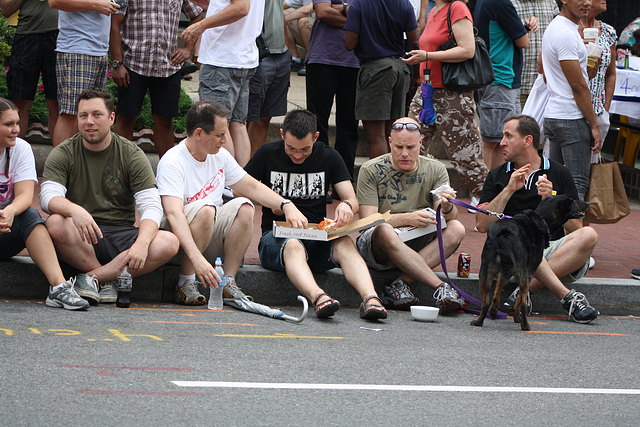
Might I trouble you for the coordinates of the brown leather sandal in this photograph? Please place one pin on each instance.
(372, 311)
(326, 308)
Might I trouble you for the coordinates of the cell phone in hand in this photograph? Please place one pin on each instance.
(121, 3)
(406, 55)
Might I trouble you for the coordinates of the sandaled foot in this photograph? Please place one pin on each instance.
(371, 310)
(327, 307)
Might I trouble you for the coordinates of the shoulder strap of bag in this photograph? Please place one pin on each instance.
(449, 21)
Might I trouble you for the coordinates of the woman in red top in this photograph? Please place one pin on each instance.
(456, 119)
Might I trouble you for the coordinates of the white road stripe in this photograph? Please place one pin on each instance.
(391, 387)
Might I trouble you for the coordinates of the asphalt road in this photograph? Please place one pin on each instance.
(169, 365)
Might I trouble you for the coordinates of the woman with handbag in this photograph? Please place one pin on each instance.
(456, 118)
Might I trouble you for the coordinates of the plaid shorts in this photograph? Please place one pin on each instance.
(77, 72)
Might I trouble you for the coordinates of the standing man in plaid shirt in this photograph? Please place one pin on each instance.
(145, 56)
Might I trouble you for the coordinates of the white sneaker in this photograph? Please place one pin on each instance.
(474, 202)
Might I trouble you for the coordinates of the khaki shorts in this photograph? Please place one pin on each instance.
(569, 278)
(225, 216)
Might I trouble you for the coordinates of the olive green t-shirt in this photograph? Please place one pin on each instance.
(379, 184)
(36, 17)
(104, 183)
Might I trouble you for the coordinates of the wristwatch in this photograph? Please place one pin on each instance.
(284, 202)
(115, 64)
(344, 8)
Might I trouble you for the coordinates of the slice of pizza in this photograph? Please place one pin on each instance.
(327, 224)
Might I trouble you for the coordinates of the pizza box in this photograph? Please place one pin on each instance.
(280, 228)
(410, 232)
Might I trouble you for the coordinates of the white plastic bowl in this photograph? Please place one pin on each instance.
(424, 313)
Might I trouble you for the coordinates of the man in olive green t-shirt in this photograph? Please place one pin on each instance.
(92, 184)
(401, 182)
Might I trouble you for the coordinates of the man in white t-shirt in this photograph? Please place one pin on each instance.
(229, 58)
(569, 120)
(191, 178)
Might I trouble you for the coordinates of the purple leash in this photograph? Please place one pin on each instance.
(443, 262)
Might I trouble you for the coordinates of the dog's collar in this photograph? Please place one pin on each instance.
(546, 237)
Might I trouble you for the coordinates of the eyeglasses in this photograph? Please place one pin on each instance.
(289, 149)
(410, 126)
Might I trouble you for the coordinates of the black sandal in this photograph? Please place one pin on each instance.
(326, 308)
(372, 311)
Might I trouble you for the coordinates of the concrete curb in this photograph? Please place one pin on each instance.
(609, 296)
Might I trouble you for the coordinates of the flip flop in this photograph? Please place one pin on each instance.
(326, 308)
(372, 311)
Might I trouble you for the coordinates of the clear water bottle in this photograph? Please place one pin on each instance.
(125, 282)
(215, 294)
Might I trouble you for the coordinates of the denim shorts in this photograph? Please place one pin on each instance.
(269, 86)
(12, 243)
(229, 87)
(319, 254)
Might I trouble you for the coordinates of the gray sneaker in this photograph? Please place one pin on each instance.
(108, 293)
(231, 290)
(188, 294)
(66, 298)
(448, 300)
(87, 287)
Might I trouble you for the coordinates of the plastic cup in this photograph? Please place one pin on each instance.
(590, 34)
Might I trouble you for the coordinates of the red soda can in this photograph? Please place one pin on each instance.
(464, 265)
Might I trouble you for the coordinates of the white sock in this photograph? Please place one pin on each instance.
(185, 277)
(57, 288)
(296, 60)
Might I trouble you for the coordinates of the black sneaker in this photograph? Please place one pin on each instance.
(398, 296)
(511, 301)
(636, 273)
(577, 307)
(188, 68)
(448, 300)
(302, 71)
(295, 65)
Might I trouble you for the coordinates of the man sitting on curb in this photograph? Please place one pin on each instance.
(92, 184)
(301, 169)
(521, 183)
(191, 179)
(401, 182)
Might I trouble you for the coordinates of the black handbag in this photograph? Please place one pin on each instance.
(472, 74)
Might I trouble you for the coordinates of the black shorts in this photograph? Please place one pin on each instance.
(31, 55)
(12, 243)
(115, 240)
(164, 93)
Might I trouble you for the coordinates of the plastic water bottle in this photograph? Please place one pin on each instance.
(125, 282)
(215, 294)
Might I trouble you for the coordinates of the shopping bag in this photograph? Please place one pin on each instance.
(607, 198)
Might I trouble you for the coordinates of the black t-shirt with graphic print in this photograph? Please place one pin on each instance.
(305, 184)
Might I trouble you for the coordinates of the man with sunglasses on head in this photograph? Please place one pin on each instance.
(401, 182)
(301, 170)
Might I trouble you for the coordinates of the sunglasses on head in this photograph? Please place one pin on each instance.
(409, 126)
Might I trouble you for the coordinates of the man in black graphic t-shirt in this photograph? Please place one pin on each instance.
(301, 171)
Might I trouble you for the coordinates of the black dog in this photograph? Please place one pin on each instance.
(514, 247)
